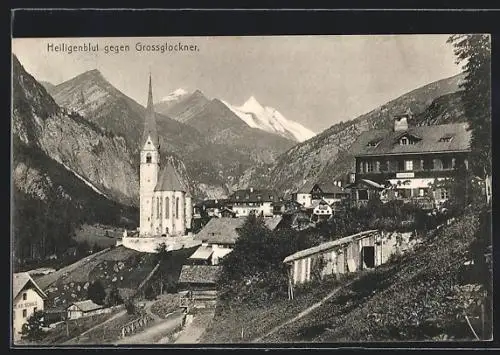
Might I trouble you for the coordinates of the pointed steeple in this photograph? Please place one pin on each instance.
(150, 120)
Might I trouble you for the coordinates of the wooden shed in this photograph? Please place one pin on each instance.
(349, 254)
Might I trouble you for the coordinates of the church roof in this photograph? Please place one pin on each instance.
(169, 180)
(150, 120)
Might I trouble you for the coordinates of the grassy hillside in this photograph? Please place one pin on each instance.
(414, 297)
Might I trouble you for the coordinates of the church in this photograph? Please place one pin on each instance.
(165, 201)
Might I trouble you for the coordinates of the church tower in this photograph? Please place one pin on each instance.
(149, 168)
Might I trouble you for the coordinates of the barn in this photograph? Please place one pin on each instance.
(84, 309)
(360, 251)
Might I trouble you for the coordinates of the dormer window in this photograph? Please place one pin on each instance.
(446, 138)
(373, 143)
(404, 141)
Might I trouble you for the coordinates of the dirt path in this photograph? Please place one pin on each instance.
(193, 331)
(304, 313)
(153, 334)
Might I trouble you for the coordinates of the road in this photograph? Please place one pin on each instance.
(157, 332)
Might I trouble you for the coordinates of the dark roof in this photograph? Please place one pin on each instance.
(211, 203)
(150, 120)
(21, 280)
(255, 195)
(428, 140)
(306, 188)
(203, 274)
(330, 188)
(224, 230)
(169, 180)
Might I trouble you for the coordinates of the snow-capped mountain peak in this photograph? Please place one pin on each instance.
(270, 120)
(175, 95)
(251, 105)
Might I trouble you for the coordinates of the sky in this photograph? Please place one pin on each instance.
(315, 80)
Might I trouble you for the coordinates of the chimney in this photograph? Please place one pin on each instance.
(401, 123)
(251, 189)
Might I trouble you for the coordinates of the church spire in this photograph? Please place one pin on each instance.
(150, 119)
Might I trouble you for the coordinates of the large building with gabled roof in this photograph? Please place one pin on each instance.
(165, 201)
(408, 160)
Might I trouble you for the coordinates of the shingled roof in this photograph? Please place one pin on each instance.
(203, 274)
(169, 180)
(87, 306)
(429, 139)
(254, 195)
(224, 230)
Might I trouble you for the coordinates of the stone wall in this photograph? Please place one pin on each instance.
(149, 245)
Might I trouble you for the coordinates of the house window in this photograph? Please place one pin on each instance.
(421, 192)
(404, 141)
(444, 194)
(369, 167)
(408, 165)
(148, 158)
(25, 313)
(437, 164)
(25, 296)
(34, 309)
(362, 194)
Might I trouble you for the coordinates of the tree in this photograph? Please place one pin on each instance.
(475, 51)
(32, 329)
(113, 297)
(96, 292)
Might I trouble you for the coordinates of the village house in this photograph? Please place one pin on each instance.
(84, 309)
(219, 236)
(310, 194)
(248, 201)
(210, 208)
(406, 162)
(27, 298)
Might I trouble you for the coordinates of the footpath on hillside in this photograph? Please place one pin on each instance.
(305, 312)
(194, 330)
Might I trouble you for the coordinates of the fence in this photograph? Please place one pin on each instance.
(135, 325)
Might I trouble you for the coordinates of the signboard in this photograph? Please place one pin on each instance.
(405, 175)
(26, 305)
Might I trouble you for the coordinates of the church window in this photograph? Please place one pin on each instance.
(157, 208)
(173, 208)
(167, 207)
(177, 208)
(148, 158)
